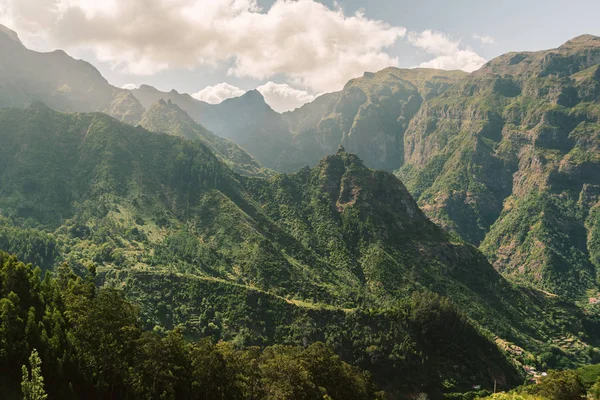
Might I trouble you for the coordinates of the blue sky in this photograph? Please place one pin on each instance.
(290, 50)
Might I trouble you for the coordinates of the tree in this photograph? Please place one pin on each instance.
(561, 385)
(33, 385)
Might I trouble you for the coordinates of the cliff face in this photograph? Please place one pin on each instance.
(508, 158)
(368, 117)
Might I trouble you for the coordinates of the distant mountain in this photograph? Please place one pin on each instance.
(368, 117)
(66, 84)
(336, 252)
(167, 117)
(59, 81)
(248, 120)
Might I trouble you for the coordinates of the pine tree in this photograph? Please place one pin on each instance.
(33, 386)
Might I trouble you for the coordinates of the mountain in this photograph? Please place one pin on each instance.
(166, 117)
(58, 80)
(337, 253)
(368, 117)
(505, 157)
(508, 158)
(247, 120)
(66, 84)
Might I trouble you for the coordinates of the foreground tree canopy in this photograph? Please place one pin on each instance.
(91, 345)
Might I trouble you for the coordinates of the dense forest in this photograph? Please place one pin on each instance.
(62, 336)
(88, 342)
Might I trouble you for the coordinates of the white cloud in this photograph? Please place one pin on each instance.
(312, 45)
(129, 86)
(217, 93)
(484, 39)
(283, 97)
(448, 53)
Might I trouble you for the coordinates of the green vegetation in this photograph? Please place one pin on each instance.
(508, 159)
(558, 385)
(32, 384)
(166, 117)
(91, 345)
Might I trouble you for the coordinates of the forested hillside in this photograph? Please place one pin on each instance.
(327, 254)
(87, 342)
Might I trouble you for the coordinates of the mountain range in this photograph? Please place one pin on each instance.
(435, 225)
(506, 157)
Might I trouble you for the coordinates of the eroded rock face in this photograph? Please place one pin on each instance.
(369, 117)
(504, 157)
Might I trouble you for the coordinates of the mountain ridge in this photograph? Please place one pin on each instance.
(169, 118)
(59, 80)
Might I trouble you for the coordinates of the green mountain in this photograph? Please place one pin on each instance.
(337, 253)
(247, 120)
(166, 117)
(59, 81)
(505, 157)
(508, 158)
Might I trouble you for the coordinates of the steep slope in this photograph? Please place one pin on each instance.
(247, 120)
(163, 218)
(59, 81)
(508, 158)
(167, 117)
(368, 117)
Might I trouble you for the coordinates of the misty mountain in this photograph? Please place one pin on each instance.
(59, 81)
(248, 120)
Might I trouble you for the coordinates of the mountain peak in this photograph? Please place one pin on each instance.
(252, 99)
(253, 94)
(12, 35)
(147, 88)
(582, 41)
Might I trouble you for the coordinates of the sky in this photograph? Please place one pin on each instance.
(290, 50)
